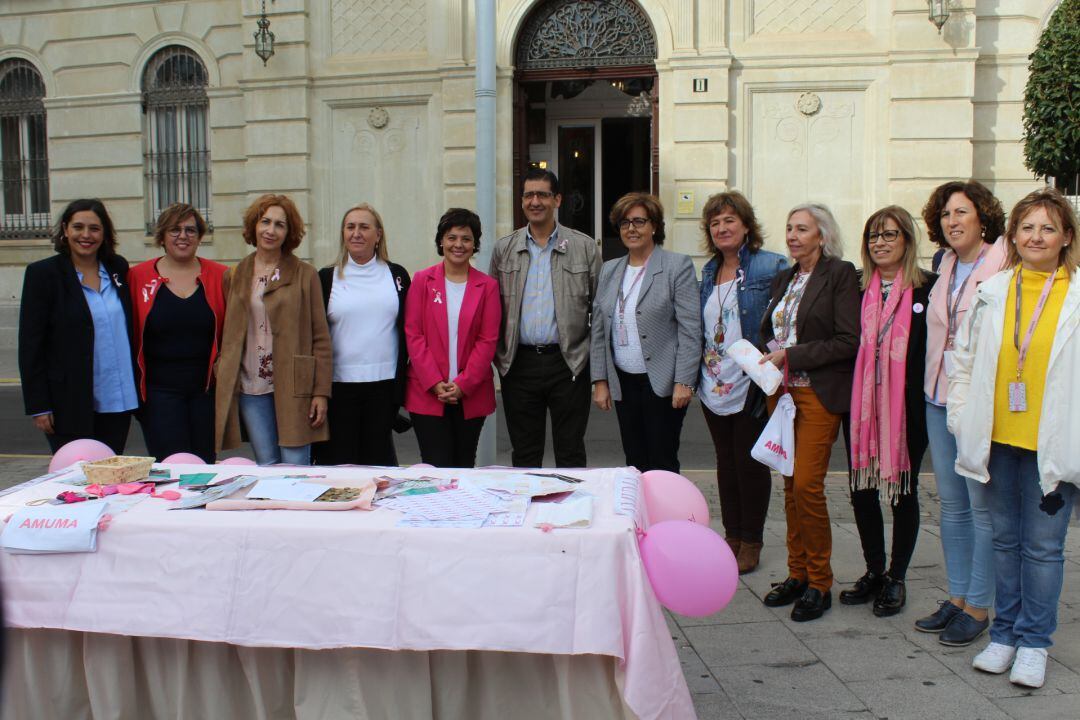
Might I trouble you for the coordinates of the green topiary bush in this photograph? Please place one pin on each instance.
(1052, 99)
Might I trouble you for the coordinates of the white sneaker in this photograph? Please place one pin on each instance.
(1029, 669)
(995, 658)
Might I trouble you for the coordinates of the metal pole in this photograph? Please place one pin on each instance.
(485, 168)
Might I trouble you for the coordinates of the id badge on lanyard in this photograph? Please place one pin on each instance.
(1018, 389)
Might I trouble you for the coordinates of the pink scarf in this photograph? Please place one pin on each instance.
(879, 451)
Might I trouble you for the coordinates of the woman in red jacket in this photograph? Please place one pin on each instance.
(179, 309)
(452, 317)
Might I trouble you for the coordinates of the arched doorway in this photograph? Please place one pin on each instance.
(586, 107)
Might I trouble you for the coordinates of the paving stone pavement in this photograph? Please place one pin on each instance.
(752, 662)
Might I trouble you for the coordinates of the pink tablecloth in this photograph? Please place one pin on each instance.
(352, 579)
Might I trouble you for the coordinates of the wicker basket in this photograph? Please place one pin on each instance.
(117, 469)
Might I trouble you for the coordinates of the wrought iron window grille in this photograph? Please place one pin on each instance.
(176, 137)
(586, 33)
(24, 160)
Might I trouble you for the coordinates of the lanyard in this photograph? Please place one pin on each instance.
(622, 298)
(952, 300)
(1023, 349)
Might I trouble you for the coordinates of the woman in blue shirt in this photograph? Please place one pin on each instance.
(75, 334)
(735, 291)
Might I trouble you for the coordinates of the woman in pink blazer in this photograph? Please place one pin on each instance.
(451, 305)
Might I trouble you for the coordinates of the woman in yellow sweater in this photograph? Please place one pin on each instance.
(1016, 398)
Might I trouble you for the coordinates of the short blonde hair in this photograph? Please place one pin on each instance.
(380, 248)
(1056, 206)
(909, 264)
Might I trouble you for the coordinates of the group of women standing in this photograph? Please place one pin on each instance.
(973, 362)
(205, 356)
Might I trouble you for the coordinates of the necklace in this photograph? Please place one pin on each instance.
(720, 328)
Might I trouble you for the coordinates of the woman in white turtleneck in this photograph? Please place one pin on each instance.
(365, 308)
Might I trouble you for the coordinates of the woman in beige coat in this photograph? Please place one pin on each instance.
(275, 368)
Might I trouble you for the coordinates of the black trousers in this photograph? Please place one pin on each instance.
(179, 421)
(649, 426)
(745, 485)
(534, 387)
(448, 440)
(361, 418)
(871, 524)
(109, 428)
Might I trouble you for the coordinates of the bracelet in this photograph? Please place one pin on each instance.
(688, 387)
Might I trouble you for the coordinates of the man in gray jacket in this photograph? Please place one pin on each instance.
(547, 278)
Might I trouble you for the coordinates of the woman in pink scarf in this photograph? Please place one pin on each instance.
(888, 425)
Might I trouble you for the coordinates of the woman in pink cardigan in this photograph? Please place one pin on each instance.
(452, 317)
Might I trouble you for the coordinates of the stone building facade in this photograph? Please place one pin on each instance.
(856, 103)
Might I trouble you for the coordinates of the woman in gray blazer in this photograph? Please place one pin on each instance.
(646, 336)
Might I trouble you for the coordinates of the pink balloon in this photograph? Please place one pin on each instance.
(691, 569)
(421, 465)
(670, 496)
(183, 458)
(237, 461)
(76, 450)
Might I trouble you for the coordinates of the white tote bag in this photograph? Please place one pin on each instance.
(775, 447)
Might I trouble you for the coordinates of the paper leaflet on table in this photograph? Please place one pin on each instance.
(74, 472)
(521, 484)
(394, 487)
(215, 493)
(766, 375)
(461, 504)
(570, 514)
(54, 529)
(290, 489)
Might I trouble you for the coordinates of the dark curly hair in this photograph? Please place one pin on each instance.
(991, 214)
(458, 217)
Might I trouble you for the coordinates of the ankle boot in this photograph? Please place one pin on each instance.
(749, 554)
(735, 544)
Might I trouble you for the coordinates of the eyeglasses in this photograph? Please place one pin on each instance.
(537, 195)
(889, 237)
(637, 222)
(189, 230)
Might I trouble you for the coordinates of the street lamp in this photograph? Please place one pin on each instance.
(939, 12)
(264, 39)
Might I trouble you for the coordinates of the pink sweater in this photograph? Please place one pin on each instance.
(936, 384)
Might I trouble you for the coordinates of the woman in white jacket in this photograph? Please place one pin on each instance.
(1013, 398)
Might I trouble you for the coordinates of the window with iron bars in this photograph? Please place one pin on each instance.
(177, 139)
(24, 161)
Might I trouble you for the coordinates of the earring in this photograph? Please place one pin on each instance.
(983, 233)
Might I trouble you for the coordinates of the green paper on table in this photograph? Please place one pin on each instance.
(196, 479)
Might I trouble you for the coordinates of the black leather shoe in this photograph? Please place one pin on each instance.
(863, 591)
(811, 605)
(963, 630)
(939, 620)
(785, 593)
(892, 597)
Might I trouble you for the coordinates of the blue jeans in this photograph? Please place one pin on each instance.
(967, 537)
(1029, 545)
(257, 413)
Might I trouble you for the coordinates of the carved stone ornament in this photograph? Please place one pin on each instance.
(586, 33)
(808, 103)
(378, 118)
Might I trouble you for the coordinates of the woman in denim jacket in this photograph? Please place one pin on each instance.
(735, 291)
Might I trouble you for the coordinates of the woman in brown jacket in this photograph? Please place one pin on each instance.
(276, 362)
(811, 328)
